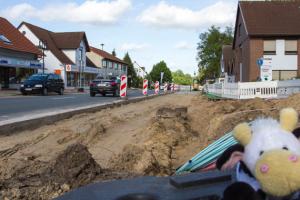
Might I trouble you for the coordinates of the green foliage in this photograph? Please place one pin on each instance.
(131, 73)
(182, 79)
(210, 51)
(160, 67)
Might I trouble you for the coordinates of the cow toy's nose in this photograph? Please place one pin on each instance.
(264, 168)
(293, 158)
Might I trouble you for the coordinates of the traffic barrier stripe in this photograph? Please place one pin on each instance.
(145, 87)
(123, 88)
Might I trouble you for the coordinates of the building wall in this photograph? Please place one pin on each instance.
(256, 52)
(241, 44)
(16, 54)
(51, 62)
(95, 58)
(71, 54)
(35, 40)
(298, 58)
(280, 61)
(242, 36)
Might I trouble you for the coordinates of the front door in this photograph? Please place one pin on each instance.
(4, 77)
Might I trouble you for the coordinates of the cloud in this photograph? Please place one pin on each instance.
(89, 12)
(183, 45)
(133, 47)
(165, 15)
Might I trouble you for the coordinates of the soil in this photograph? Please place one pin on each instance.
(152, 137)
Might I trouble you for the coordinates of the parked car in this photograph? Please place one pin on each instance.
(42, 84)
(105, 86)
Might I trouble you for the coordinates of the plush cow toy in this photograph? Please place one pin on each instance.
(271, 159)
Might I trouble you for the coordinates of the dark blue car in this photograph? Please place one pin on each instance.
(42, 84)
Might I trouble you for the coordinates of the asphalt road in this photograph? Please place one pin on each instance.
(11, 107)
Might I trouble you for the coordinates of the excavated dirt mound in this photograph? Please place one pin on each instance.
(32, 179)
(169, 129)
(153, 137)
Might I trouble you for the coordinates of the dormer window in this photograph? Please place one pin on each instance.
(4, 39)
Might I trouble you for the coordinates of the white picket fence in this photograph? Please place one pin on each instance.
(250, 90)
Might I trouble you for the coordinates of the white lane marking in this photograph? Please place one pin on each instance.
(61, 98)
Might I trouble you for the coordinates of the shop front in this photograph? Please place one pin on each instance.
(15, 71)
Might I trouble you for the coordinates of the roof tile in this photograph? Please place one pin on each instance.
(18, 41)
(272, 18)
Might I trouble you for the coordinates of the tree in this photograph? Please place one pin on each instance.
(131, 73)
(157, 69)
(114, 52)
(182, 79)
(210, 50)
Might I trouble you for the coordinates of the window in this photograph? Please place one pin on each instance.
(24, 32)
(291, 47)
(119, 66)
(269, 47)
(116, 66)
(110, 65)
(4, 39)
(104, 63)
(284, 74)
(80, 54)
(124, 68)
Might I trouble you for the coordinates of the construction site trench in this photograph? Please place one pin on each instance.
(152, 137)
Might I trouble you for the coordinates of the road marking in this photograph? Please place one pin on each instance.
(61, 98)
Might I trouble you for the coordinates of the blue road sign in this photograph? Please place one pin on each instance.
(260, 62)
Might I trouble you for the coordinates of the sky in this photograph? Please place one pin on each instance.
(150, 30)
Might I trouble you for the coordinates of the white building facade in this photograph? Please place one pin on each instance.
(65, 54)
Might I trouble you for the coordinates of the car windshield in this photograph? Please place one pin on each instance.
(37, 77)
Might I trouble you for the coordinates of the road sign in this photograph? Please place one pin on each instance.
(260, 62)
(266, 69)
(68, 68)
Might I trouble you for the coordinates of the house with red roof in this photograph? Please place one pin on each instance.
(65, 54)
(267, 33)
(110, 64)
(19, 57)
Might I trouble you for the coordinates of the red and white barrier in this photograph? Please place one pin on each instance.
(123, 86)
(156, 87)
(172, 87)
(145, 87)
(166, 87)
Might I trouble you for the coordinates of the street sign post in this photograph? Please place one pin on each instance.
(161, 77)
(265, 65)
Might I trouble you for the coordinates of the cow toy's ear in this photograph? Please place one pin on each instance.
(242, 133)
(288, 119)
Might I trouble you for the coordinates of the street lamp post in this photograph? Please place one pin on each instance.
(43, 46)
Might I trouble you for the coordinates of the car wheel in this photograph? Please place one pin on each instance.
(103, 94)
(24, 93)
(92, 94)
(61, 91)
(45, 91)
